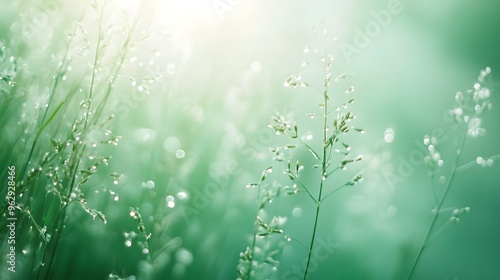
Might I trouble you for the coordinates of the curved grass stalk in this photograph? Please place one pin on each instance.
(127, 45)
(94, 67)
(436, 213)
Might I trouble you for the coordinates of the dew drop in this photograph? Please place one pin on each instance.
(171, 144)
(427, 140)
(182, 195)
(170, 201)
(389, 135)
(180, 154)
(442, 179)
(184, 256)
(128, 243)
(436, 156)
(297, 212)
(150, 184)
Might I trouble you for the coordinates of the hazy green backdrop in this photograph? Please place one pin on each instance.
(202, 130)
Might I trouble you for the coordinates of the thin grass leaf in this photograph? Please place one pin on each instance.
(49, 119)
(315, 155)
(93, 212)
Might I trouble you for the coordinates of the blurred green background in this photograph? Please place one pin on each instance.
(200, 134)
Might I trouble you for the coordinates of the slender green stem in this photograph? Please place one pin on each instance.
(307, 190)
(433, 187)
(334, 191)
(473, 163)
(439, 206)
(323, 176)
(298, 241)
(309, 254)
(436, 233)
(333, 171)
(424, 242)
(94, 67)
(254, 240)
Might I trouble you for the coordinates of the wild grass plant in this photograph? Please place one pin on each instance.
(65, 116)
(330, 155)
(467, 117)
